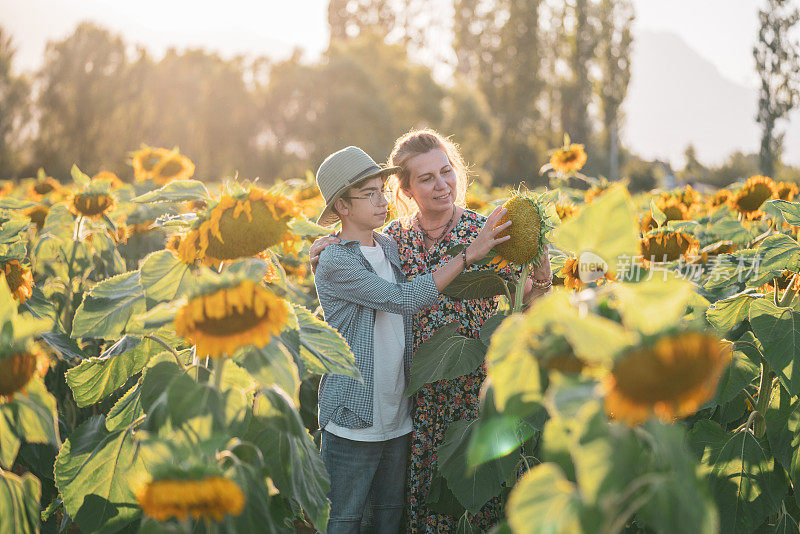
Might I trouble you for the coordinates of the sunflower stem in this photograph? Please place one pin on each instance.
(219, 363)
(775, 292)
(520, 289)
(764, 395)
(67, 304)
(789, 294)
(166, 345)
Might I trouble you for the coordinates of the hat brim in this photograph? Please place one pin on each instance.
(328, 217)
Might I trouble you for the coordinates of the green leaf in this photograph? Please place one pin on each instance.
(19, 503)
(272, 365)
(97, 378)
(107, 308)
(80, 177)
(164, 277)
(544, 502)
(320, 347)
(514, 373)
(726, 313)
(657, 214)
(783, 432)
(96, 473)
(789, 210)
(490, 326)
(305, 228)
(444, 355)
(740, 373)
(653, 305)
(291, 458)
(159, 316)
(607, 227)
(473, 487)
(126, 410)
(778, 330)
(744, 480)
(12, 203)
(777, 252)
(30, 417)
(175, 191)
(11, 230)
(476, 285)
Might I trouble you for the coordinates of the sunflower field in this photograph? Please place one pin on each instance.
(162, 347)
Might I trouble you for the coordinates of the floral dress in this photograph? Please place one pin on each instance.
(445, 401)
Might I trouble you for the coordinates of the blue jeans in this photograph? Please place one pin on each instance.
(367, 483)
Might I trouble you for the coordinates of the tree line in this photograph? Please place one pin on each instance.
(519, 74)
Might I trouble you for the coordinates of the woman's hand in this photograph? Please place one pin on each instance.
(317, 247)
(543, 271)
(488, 236)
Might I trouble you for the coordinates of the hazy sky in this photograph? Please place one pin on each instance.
(721, 31)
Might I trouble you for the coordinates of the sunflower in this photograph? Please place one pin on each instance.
(299, 271)
(527, 230)
(6, 188)
(42, 187)
(172, 166)
(37, 214)
(749, 199)
(715, 249)
(19, 280)
(110, 177)
(242, 226)
(91, 205)
(595, 191)
(145, 160)
(18, 368)
(567, 159)
(570, 273)
(720, 198)
(669, 378)
(671, 207)
(565, 210)
(222, 321)
(784, 280)
(665, 245)
(786, 190)
(310, 199)
(208, 498)
(476, 203)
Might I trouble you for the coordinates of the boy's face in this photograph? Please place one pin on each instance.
(361, 210)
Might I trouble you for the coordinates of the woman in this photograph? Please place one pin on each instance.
(429, 193)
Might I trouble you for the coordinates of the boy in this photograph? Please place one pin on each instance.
(366, 297)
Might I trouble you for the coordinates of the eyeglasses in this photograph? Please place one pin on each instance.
(375, 196)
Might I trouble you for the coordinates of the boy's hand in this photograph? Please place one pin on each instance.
(317, 247)
(487, 238)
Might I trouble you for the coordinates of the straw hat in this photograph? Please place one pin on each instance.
(341, 170)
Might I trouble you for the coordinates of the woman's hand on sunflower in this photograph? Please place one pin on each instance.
(543, 271)
(489, 236)
(317, 247)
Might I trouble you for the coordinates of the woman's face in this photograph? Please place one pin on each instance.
(432, 183)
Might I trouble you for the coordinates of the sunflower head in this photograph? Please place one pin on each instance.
(568, 159)
(595, 191)
(19, 279)
(172, 166)
(749, 199)
(92, 205)
(18, 365)
(37, 214)
(784, 280)
(669, 377)
(198, 492)
(43, 186)
(570, 273)
(665, 245)
(565, 210)
(145, 160)
(226, 318)
(242, 225)
(529, 225)
(720, 198)
(786, 190)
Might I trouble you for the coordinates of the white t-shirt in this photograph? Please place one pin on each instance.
(391, 412)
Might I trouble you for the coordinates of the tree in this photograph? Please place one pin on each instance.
(83, 102)
(499, 52)
(14, 111)
(777, 57)
(580, 32)
(693, 171)
(614, 61)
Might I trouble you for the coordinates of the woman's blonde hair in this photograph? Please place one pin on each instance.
(412, 144)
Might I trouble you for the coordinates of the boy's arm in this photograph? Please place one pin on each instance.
(341, 275)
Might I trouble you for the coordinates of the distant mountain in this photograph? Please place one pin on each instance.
(677, 97)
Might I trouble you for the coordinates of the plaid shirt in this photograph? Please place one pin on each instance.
(349, 292)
